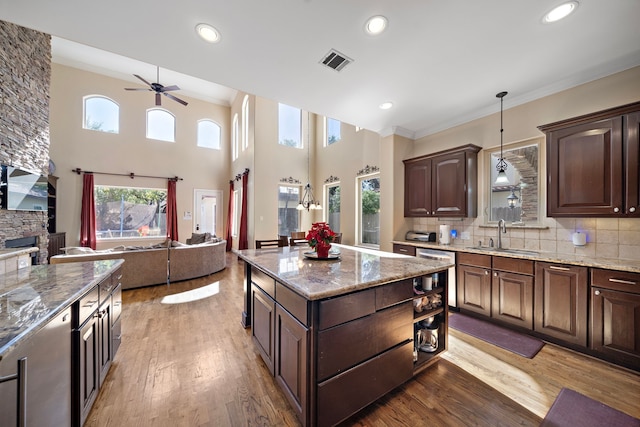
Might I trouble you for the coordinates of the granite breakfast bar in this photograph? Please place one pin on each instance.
(59, 330)
(338, 334)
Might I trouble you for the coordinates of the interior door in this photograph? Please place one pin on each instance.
(207, 211)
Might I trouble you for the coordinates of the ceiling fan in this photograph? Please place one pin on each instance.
(159, 89)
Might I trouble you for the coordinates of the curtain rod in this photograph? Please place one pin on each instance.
(240, 175)
(130, 175)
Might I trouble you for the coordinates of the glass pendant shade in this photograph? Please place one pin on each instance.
(502, 178)
(512, 199)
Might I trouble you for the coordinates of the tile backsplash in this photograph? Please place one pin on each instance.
(606, 237)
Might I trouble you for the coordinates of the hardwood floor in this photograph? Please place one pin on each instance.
(185, 360)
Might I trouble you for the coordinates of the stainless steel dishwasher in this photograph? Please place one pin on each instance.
(451, 273)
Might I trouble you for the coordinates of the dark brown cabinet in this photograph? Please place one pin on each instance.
(593, 162)
(615, 316)
(263, 326)
(57, 241)
(560, 308)
(443, 184)
(404, 249)
(512, 291)
(474, 283)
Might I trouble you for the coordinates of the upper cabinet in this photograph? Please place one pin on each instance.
(592, 164)
(442, 184)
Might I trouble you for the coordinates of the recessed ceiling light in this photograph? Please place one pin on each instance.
(386, 105)
(208, 33)
(376, 25)
(560, 12)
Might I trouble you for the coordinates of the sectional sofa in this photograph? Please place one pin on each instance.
(158, 265)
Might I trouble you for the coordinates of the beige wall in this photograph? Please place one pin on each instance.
(129, 150)
(608, 237)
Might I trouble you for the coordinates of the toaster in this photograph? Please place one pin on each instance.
(421, 236)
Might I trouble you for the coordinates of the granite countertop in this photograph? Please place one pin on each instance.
(631, 266)
(13, 252)
(357, 268)
(30, 297)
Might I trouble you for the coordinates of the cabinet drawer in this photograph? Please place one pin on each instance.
(351, 343)
(105, 289)
(87, 305)
(335, 311)
(616, 280)
(296, 305)
(266, 283)
(116, 303)
(513, 265)
(354, 389)
(393, 293)
(399, 248)
(477, 260)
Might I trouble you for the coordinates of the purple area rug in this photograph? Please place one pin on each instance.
(574, 409)
(515, 342)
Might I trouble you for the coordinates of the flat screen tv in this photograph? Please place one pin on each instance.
(23, 190)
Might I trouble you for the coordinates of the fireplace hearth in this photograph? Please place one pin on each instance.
(24, 242)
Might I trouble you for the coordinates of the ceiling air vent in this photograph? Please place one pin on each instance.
(336, 60)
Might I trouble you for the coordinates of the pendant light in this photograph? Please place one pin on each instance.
(502, 165)
(308, 200)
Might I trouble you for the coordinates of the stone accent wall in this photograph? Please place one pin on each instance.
(25, 75)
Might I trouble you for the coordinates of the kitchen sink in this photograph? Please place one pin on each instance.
(508, 251)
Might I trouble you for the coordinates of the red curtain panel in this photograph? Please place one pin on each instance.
(88, 213)
(172, 211)
(243, 242)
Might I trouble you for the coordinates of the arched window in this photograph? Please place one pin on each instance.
(101, 114)
(245, 122)
(234, 137)
(208, 134)
(161, 125)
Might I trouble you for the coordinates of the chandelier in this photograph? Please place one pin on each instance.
(308, 200)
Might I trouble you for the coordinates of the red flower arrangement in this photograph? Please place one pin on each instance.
(320, 237)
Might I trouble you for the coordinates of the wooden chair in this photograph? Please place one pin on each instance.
(270, 243)
(337, 238)
(298, 242)
(298, 235)
(285, 239)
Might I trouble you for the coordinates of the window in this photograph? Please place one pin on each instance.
(128, 212)
(101, 114)
(332, 131)
(234, 138)
(289, 126)
(237, 212)
(161, 125)
(208, 134)
(288, 215)
(245, 122)
(332, 201)
(369, 210)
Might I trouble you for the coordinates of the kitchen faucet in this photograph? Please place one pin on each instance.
(502, 228)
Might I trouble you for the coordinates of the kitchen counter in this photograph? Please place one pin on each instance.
(30, 297)
(357, 269)
(631, 266)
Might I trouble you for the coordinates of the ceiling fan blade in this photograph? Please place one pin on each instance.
(137, 88)
(168, 88)
(148, 84)
(175, 98)
(158, 99)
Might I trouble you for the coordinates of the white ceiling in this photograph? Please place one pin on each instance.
(440, 62)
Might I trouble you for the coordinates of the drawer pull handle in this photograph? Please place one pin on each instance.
(403, 250)
(90, 304)
(597, 292)
(632, 209)
(555, 267)
(622, 281)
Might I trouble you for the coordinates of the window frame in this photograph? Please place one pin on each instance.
(299, 189)
(218, 130)
(300, 143)
(237, 212)
(326, 212)
(327, 121)
(85, 117)
(234, 138)
(168, 114)
(358, 215)
(245, 122)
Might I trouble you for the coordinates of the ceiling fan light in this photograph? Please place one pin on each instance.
(208, 33)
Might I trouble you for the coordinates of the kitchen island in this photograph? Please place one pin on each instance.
(338, 334)
(59, 330)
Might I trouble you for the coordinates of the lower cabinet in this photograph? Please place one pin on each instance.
(104, 337)
(263, 307)
(512, 291)
(292, 360)
(561, 293)
(615, 316)
(474, 283)
(48, 377)
(87, 356)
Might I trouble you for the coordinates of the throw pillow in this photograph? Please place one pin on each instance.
(199, 238)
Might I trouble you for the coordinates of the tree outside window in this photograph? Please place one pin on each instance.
(289, 126)
(333, 206)
(101, 114)
(369, 227)
(332, 131)
(288, 215)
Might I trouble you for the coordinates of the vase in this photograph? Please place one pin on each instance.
(323, 251)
